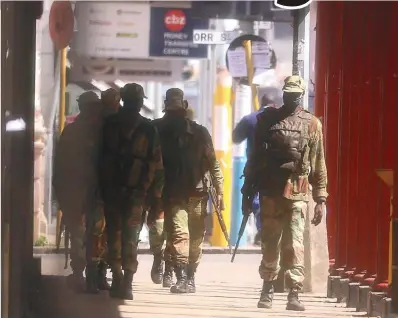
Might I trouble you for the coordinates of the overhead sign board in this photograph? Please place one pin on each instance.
(113, 29)
(171, 34)
(110, 70)
(213, 37)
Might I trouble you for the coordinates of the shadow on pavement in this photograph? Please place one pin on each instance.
(56, 301)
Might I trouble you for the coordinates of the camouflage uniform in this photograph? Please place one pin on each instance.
(185, 211)
(157, 237)
(286, 173)
(96, 227)
(76, 187)
(131, 166)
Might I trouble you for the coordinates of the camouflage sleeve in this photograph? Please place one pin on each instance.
(213, 164)
(156, 171)
(217, 177)
(318, 173)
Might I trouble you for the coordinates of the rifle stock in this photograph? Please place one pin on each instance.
(213, 197)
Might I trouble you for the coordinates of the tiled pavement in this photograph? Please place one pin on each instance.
(223, 290)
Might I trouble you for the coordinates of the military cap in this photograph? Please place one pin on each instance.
(294, 84)
(111, 95)
(132, 91)
(174, 99)
(88, 98)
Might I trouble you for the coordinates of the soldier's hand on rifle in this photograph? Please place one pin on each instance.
(318, 213)
(247, 202)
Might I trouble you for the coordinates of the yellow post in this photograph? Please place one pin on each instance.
(62, 90)
(62, 116)
(250, 73)
(222, 135)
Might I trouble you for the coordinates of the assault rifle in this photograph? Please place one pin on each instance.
(218, 208)
(247, 201)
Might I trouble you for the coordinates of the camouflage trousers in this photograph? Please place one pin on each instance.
(88, 234)
(123, 222)
(187, 230)
(282, 232)
(157, 237)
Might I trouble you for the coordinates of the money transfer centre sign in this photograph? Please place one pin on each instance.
(171, 34)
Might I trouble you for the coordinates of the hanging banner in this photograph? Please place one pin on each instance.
(112, 29)
(171, 34)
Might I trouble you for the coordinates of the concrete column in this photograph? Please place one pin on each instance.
(316, 256)
(17, 102)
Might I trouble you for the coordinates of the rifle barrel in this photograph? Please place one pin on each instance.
(241, 231)
(236, 249)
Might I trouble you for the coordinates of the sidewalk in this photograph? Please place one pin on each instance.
(224, 290)
(144, 249)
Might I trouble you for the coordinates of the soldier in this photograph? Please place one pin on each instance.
(287, 158)
(131, 166)
(95, 224)
(157, 237)
(188, 153)
(76, 187)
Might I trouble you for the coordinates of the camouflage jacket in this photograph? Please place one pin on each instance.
(131, 157)
(209, 163)
(310, 169)
(75, 177)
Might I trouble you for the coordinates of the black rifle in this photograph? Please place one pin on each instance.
(218, 209)
(241, 231)
(246, 208)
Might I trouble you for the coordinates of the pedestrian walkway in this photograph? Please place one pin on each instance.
(223, 290)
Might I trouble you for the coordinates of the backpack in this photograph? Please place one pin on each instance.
(126, 156)
(284, 138)
(183, 155)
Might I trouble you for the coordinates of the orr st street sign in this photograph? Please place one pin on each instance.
(213, 36)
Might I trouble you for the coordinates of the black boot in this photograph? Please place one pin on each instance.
(181, 286)
(127, 287)
(117, 283)
(102, 281)
(75, 281)
(157, 269)
(168, 275)
(267, 295)
(92, 278)
(191, 278)
(293, 302)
